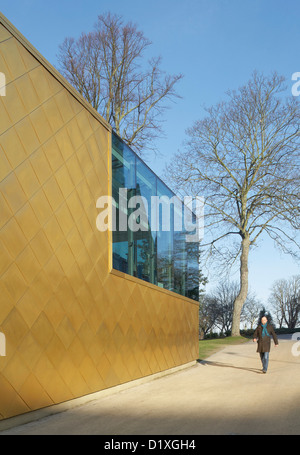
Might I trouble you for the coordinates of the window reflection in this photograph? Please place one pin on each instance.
(156, 253)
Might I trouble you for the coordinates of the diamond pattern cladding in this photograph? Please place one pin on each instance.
(72, 326)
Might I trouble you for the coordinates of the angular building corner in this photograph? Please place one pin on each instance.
(72, 324)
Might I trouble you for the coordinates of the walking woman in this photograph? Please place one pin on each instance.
(262, 335)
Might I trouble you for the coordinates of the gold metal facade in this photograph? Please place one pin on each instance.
(72, 325)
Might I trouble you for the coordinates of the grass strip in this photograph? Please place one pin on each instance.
(211, 346)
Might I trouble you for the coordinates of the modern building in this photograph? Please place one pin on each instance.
(82, 309)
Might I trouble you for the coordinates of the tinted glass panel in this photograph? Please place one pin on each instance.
(150, 239)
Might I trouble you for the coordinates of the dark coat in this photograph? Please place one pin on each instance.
(264, 343)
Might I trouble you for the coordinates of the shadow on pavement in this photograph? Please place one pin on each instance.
(227, 365)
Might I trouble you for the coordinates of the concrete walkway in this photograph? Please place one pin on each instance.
(226, 394)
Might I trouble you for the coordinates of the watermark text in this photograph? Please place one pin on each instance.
(2, 345)
(296, 85)
(2, 84)
(296, 345)
(160, 213)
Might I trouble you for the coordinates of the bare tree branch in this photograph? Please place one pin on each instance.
(106, 66)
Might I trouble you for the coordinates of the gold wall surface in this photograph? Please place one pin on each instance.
(72, 325)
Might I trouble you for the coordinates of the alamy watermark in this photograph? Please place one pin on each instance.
(296, 346)
(135, 214)
(296, 85)
(2, 345)
(2, 84)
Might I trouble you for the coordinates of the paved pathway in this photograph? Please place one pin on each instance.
(226, 394)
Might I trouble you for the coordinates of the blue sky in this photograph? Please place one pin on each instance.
(216, 44)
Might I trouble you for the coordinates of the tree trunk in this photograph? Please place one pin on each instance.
(241, 298)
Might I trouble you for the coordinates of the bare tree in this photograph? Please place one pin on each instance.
(225, 294)
(107, 67)
(216, 308)
(208, 313)
(250, 311)
(285, 298)
(243, 158)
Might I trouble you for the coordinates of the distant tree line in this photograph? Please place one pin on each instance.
(285, 299)
(216, 308)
